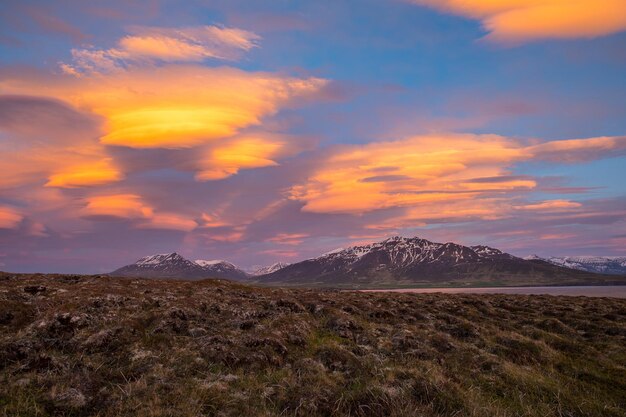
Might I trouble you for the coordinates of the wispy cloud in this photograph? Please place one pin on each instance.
(550, 205)
(156, 44)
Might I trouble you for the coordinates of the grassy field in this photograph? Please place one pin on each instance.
(98, 346)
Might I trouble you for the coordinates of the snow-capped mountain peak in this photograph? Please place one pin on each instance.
(270, 268)
(486, 251)
(214, 262)
(221, 268)
(406, 251)
(159, 259)
(173, 265)
(600, 264)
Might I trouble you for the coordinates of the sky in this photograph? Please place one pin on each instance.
(264, 131)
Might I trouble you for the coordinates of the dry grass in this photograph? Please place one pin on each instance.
(97, 346)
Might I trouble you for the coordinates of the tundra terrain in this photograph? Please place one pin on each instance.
(103, 346)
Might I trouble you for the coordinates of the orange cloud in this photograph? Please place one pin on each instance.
(557, 236)
(211, 220)
(574, 150)
(131, 206)
(246, 152)
(288, 238)
(172, 106)
(45, 139)
(9, 218)
(191, 44)
(418, 170)
(169, 221)
(451, 210)
(551, 205)
(55, 166)
(97, 173)
(126, 206)
(228, 236)
(517, 21)
(281, 253)
(437, 176)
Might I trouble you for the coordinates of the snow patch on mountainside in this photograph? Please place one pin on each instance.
(269, 269)
(162, 258)
(173, 265)
(213, 262)
(407, 251)
(600, 264)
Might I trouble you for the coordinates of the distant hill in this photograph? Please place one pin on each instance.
(222, 269)
(269, 269)
(400, 261)
(600, 264)
(173, 265)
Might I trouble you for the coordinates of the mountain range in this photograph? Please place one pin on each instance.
(173, 265)
(397, 261)
(600, 264)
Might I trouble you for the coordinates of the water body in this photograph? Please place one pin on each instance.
(617, 291)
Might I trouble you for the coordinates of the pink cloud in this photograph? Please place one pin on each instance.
(132, 207)
(551, 205)
(288, 238)
(10, 218)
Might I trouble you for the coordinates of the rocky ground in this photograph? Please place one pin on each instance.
(99, 346)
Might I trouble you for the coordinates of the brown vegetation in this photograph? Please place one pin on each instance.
(83, 346)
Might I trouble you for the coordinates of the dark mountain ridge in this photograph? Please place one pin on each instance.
(400, 261)
(173, 265)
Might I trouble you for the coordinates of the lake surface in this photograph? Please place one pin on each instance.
(618, 291)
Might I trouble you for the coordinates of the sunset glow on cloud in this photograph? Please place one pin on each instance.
(9, 218)
(551, 205)
(514, 21)
(95, 173)
(279, 133)
(172, 106)
(413, 171)
(126, 206)
(132, 207)
(163, 44)
(241, 153)
(430, 169)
